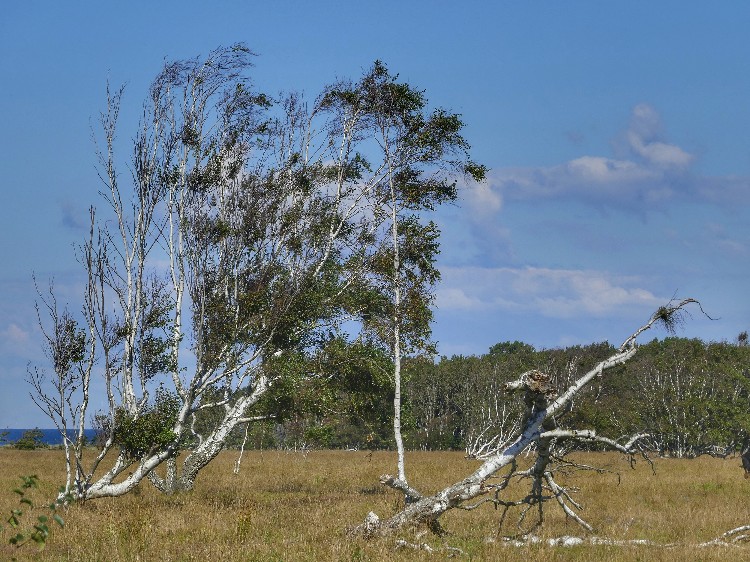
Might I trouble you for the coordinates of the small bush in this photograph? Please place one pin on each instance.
(30, 440)
(150, 431)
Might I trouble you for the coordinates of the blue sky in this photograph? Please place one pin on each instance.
(616, 134)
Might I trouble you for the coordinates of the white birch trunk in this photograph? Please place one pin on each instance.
(397, 339)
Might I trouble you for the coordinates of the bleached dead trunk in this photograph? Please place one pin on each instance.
(428, 509)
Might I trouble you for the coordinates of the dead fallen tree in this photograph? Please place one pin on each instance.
(732, 538)
(538, 430)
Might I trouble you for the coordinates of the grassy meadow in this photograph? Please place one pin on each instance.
(286, 506)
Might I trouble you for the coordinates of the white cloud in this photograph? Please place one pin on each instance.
(14, 335)
(644, 139)
(556, 293)
(645, 121)
(456, 298)
(659, 153)
(596, 180)
(602, 170)
(484, 199)
(649, 173)
(17, 342)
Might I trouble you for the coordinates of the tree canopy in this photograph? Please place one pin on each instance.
(251, 243)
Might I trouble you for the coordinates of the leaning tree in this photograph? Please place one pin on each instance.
(246, 234)
(541, 433)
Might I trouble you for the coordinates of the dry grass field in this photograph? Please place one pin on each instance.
(286, 506)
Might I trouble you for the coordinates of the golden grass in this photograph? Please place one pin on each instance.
(283, 506)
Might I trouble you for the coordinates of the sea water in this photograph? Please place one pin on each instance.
(49, 436)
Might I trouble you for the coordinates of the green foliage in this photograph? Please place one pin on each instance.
(30, 440)
(478, 172)
(280, 227)
(40, 530)
(151, 430)
(508, 349)
(68, 346)
(154, 345)
(321, 435)
(341, 394)
(335, 396)
(423, 152)
(693, 395)
(359, 376)
(690, 396)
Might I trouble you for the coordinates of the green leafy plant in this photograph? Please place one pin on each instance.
(151, 430)
(40, 531)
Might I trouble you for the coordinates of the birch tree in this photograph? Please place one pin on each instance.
(422, 154)
(694, 397)
(242, 238)
(538, 430)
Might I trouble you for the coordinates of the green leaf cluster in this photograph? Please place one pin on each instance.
(39, 532)
(151, 430)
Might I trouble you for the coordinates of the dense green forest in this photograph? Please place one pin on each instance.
(691, 397)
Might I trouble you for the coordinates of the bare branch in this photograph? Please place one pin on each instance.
(397, 484)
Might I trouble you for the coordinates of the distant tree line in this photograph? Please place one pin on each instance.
(691, 397)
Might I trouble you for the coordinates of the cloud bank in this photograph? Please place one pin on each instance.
(554, 293)
(646, 172)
